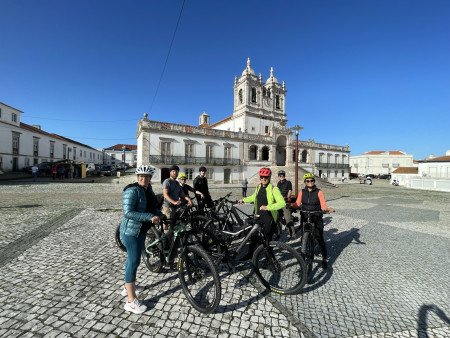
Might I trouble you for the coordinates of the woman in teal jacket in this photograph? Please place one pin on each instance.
(267, 200)
(139, 211)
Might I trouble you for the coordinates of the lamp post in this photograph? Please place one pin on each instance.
(296, 128)
(123, 156)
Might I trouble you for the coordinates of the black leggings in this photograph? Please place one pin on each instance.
(319, 237)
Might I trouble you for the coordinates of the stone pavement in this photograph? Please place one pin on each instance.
(61, 274)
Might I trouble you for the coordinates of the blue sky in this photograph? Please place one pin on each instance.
(371, 74)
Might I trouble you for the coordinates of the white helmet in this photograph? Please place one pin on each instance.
(145, 170)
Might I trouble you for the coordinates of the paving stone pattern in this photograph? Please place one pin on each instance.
(61, 273)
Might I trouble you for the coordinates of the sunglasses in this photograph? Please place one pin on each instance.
(310, 181)
(263, 177)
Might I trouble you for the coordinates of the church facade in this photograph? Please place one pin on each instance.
(255, 135)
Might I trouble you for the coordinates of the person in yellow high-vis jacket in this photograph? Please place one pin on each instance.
(267, 200)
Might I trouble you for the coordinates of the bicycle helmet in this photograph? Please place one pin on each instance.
(281, 173)
(265, 172)
(181, 176)
(309, 175)
(202, 169)
(145, 170)
(174, 167)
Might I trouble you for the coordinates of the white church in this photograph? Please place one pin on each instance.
(255, 135)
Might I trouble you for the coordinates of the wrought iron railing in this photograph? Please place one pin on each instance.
(166, 159)
(332, 165)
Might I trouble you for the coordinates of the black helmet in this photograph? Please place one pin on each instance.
(281, 173)
(202, 169)
(174, 167)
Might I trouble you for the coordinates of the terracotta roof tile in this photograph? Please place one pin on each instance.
(439, 159)
(406, 170)
(119, 147)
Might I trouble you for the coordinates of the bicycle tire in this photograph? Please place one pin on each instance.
(118, 240)
(192, 263)
(269, 262)
(308, 253)
(153, 261)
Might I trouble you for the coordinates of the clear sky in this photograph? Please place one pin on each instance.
(371, 74)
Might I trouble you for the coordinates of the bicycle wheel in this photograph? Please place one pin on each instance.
(153, 258)
(280, 268)
(308, 253)
(118, 240)
(199, 279)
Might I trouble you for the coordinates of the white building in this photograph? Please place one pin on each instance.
(22, 145)
(380, 162)
(255, 135)
(120, 154)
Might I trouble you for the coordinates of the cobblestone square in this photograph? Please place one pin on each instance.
(61, 273)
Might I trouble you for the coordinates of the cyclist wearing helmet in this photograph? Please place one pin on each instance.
(201, 184)
(173, 194)
(186, 187)
(139, 212)
(267, 200)
(312, 199)
(285, 187)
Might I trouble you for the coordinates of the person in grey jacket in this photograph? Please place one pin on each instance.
(139, 211)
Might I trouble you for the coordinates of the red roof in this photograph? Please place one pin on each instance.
(380, 152)
(406, 170)
(439, 159)
(119, 147)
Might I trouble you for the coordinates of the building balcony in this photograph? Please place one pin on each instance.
(167, 159)
(332, 165)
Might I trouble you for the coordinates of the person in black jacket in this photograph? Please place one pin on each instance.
(201, 185)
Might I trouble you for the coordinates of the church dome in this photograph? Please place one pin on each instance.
(271, 78)
(248, 69)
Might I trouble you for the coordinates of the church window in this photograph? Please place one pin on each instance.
(268, 92)
(254, 95)
(209, 153)
(240, 95)
(227, 153)
(265, 154)
(304, 156)
(266, 129)
(264, 91)
(252, 152)
(277, 101)
(189, 150)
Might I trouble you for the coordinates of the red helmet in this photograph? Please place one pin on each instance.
(266, 172)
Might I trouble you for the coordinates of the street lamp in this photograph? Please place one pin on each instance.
(123, 156)
(296, 128)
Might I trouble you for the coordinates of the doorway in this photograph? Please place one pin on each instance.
(165, 173)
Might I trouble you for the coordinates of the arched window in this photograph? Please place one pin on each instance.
(252, 152)
(264, 91)
(277, 101)
(253, 94)
(304, 155)
(265, 153)
(240, 95)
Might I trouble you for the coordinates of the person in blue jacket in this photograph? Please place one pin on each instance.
(139, 212)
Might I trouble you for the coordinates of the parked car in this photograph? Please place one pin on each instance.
(385, 177)
(107, 170)
(372, 176)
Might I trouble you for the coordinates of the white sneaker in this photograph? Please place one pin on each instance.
(135, 307)
(138, 290)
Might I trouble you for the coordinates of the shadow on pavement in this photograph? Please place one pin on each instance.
(422, 324)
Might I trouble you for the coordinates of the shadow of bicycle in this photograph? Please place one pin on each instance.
(422, 321)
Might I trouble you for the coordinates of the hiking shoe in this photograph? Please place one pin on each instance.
(138, 290)
(135, 307)
(324, 264)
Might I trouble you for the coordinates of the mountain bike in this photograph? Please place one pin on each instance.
(197, 272)
(308, 241)
(278, 266)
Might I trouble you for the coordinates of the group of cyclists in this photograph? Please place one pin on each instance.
(270, 201)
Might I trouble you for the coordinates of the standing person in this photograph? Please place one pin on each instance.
(34, 172)
(71, 169)
(244, 187)
(312, 199)
(186, 187)
(54, 171)
(267, 200)
(173, 194)
(285, 187)
(201, 184)
(61, 171)
(139, 212)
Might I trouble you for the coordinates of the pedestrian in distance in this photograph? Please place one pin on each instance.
(201, 184)
(54, 171)
(34, 172)
(267, 200)
(139, 213)
(244, 187)
(312, 198)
